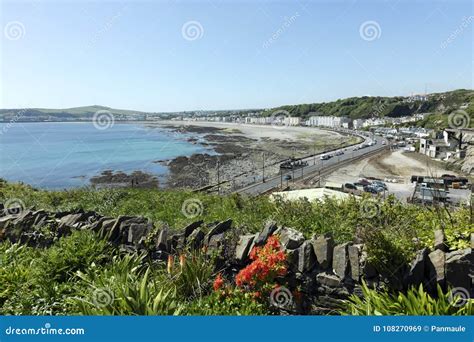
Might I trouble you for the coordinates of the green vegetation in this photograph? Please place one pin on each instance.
(77, 113)
(399, 223)
(80, 270)
(367, 106)
(415, 302)
(439, 104)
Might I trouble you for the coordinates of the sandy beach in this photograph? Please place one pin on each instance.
(243, 152)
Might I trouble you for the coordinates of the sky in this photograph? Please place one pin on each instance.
(160, 56)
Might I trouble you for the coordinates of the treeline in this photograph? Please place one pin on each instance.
(367, 106)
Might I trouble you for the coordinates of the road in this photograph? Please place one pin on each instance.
(315, 166)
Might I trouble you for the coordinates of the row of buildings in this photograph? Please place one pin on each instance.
(312, 121)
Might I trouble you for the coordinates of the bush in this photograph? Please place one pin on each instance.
(37, 281)
(231, 302)
(127, 287)
(415, 302)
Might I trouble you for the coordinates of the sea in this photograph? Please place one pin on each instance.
(51, 155)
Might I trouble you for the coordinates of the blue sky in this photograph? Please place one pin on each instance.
(247, 54)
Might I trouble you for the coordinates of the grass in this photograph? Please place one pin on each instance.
(415, 302)
(79, 270)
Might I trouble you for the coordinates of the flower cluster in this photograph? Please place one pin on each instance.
(218, 282)
(268, 263)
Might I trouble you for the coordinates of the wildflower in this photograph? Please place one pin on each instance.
(170, 263)
(182, 260)
(268, 262)
(218, 282)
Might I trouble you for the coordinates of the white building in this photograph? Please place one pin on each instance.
(328, 121)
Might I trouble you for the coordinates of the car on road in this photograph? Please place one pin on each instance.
(350, 186)
(339, 153)
(380, 184)
(363, 182)
(325, 157)
(373, 189)
(287, 177)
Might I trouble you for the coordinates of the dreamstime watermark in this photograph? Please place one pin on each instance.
(46, 330)
(459, 119)
(287, 22)
(281, 297)
(14, 30)
(370, 30)
(280, 119)
(192, 30)
(105, 28)
(459, 296)
(103, 119)
(379, 109)
(192, 208)
(14, 206)
(369, 208)
(457, 32)
(102, 297)
(17, 117)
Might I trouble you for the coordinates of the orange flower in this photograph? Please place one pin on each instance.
(170, 263)
(268, 263)
(182, 260)
(218, 282)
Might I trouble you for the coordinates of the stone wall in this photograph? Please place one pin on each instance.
(323, 271)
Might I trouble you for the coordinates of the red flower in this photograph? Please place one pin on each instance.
(218, 282)
(268, 263)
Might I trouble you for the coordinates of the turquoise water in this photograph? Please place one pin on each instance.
(67, 155)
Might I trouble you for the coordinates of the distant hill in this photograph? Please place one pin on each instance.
(67, 114)
(441, 104)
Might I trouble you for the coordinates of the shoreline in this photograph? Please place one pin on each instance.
(244, 151)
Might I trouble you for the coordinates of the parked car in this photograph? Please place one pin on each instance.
(350, 186)
(370, 190)
(363, 181)
(380, 184)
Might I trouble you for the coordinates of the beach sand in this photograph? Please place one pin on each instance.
(242, 150)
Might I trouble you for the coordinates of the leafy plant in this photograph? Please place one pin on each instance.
(127, 288)
(231, 302)
(415, 302)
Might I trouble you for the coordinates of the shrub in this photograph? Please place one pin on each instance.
(268, 263)
(415, 302)
(229, 302)
(191, 277)
(126, 288)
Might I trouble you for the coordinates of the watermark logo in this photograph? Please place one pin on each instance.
(103, 119)
(459, 296)
(459, 119)
(280, 119)
(281, 297)
(102, 297)
(288, 21)
(465, 23)
(14, 206)
(14, 30)
(370, 30)
(192, 208)
(369, 208)
(192, 30)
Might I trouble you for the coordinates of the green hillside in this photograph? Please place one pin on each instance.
(368, 106)
(77, 113)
